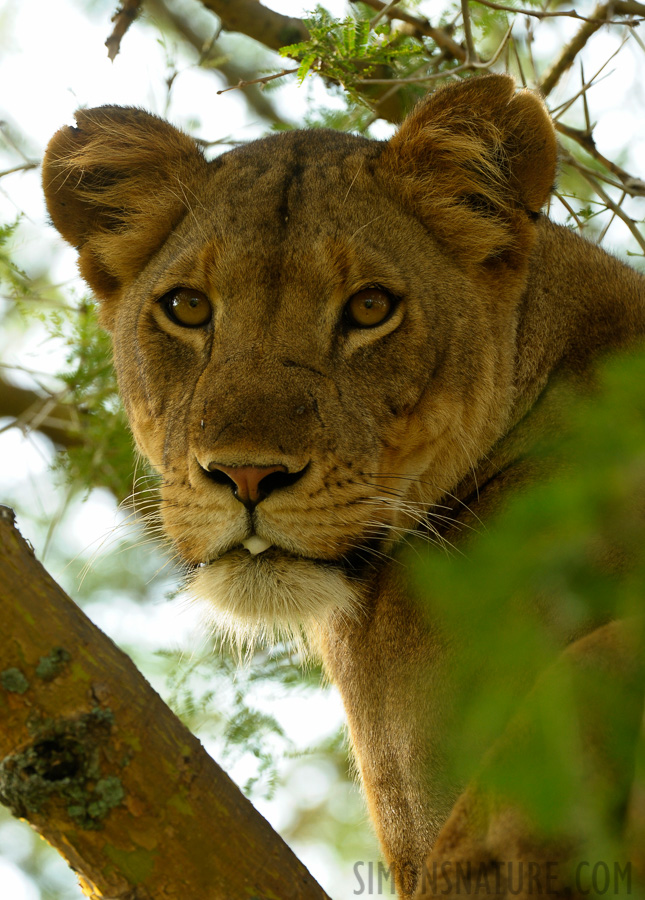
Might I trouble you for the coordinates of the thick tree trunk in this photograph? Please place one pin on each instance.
(97, 763)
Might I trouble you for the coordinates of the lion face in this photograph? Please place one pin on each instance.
(305, 358)
(355, 429)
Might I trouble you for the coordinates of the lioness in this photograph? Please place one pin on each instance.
(319, 340)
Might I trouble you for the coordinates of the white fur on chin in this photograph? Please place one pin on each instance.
(271, 596)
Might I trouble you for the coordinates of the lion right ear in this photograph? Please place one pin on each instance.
(477, 161)
(116, 186)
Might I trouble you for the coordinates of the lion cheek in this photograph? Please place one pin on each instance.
(148, 433)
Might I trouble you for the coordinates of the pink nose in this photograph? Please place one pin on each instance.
(247, 480)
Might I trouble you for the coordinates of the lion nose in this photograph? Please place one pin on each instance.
(251, 484)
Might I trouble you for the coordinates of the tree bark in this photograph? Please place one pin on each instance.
(96, 762)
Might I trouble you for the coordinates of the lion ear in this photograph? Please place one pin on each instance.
(116, 186)
(477, 161)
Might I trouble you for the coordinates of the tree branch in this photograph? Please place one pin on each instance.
(630, 183)
(233, 73)
(122, 18)
(24, 167)
(264, 79)
(32, 412)
(275, 31)
(542, 14)
(384, 12)
(97, 763)
(609, 203)
(249, 17)
(599, 17)
(471, 53)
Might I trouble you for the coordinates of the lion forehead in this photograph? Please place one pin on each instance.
(268, 183)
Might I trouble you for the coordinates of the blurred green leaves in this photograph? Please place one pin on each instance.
(13, 280)
(102, 454)
(564, 557)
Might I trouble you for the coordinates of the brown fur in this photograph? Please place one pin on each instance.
(494, 300)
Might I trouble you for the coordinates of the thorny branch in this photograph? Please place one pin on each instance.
(265, 79)
(602, 15)
(122, 18)
(569, 209)
(615, 207)
(570, 13)
(251, 18)
(631, 184)
(471, 53)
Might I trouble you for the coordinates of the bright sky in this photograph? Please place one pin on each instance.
(53, 60)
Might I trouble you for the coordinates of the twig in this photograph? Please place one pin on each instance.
(602, 234)
(471, 53)
(518, 62)
(637, 39)
(606, 199)
(600, 16)
(604, 178)
(264, 80)
(566, 13)
(441, 36)
(594, 80)
(630, 183)
(122, 18)
(530, 35)
(558, 111)
(570, 210)
(467, 66)
(585, 102)
(22, 168)
(6, 134)
(384, 12)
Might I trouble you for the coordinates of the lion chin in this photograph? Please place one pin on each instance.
(271, 596)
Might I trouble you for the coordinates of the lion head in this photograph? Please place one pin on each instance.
(314, 334)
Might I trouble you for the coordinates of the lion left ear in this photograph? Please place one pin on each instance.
(116, 186)
(477, 161)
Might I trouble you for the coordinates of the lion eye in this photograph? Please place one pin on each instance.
(187, 307)
(369, 307)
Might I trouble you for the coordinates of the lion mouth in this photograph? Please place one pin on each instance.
(261, 552)
(251, 548)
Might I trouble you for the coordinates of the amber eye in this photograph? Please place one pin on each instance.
(187, 307)
(369, 307)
